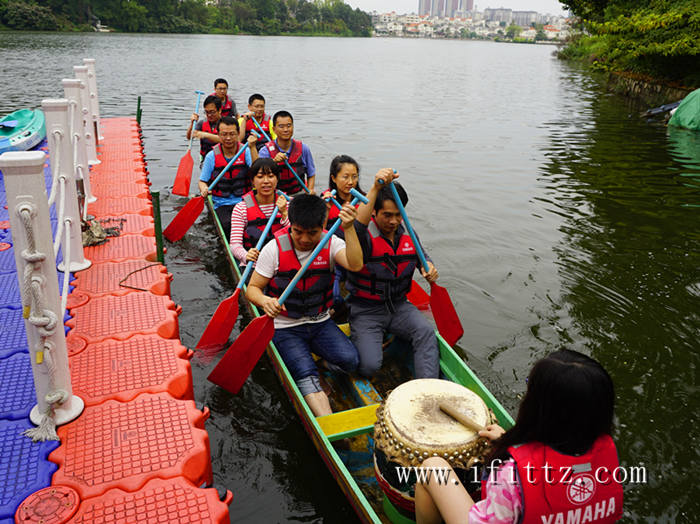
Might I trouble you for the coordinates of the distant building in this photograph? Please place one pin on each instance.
(524, 18)
(499, 15)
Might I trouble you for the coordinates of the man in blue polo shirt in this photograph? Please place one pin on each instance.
(298, 155)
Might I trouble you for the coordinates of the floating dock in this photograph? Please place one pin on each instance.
(139, 452)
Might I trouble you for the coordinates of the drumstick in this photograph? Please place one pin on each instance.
(460, 417)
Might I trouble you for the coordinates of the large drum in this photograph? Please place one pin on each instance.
(411, 427)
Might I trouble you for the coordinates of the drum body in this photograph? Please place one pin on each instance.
(411, 427)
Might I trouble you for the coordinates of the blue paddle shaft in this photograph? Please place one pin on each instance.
(266, 231)
(267, 137)
(419, 250)
(196, 107)
(228, 166)
(358, 197)
(334, 201)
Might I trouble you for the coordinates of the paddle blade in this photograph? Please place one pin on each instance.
(418, 297)
(181, 186)
(184, 219)
(221, 324)
(446, 318)
(238, 362)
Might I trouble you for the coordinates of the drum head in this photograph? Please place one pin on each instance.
(413, 414)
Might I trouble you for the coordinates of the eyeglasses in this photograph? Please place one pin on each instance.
(284, 126)
(211, 111)
(227, 134)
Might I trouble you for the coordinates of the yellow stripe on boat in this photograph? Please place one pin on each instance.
(348, 423)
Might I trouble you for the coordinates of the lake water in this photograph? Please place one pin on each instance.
(556, 216)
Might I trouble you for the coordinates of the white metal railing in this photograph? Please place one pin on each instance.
(86, 113)
(94, 99)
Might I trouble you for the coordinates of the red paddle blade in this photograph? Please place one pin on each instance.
(446, 318)
(181, 186)
(418, 297)
(184, 219)
(238, 362)
(221, 324)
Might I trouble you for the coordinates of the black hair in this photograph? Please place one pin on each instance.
(212, 99)
(220, 81)
(307, 211)
(281, 114)
(266, 165)
(255, 96)
(569, 403)
(229, 121)
(385, 193)
(336, 165)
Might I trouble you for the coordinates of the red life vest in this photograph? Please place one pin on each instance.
(234, 182)
(387, 274)
(333, 214)
(288, 182)
(206, 145)
(250, 127)
(576, 489)
(227, 106)
(256, 222)
(313, 294)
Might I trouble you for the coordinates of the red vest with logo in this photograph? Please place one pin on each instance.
(388, 273)
(234, 182)
(313, 294)
(250, 127)
(333, 214)
(576, 489)
(256, 222)
(226, 107)
(288, 182)
(206, 145)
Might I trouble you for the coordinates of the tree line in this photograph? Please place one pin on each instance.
(657, 38)
(260, 17)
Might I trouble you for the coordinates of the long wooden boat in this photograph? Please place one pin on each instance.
(355, 401)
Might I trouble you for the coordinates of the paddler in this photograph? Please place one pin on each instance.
(378, 302)
(256, 111)
(298, 155)
(228, 106)
(233, 185)
(250, 216)
(303, 326)
(207, 130)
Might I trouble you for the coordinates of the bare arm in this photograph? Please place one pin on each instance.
(364, 212)
(350, 257)
(254, 293)
(193, 120)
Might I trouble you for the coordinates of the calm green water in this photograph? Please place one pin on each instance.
(556, 216)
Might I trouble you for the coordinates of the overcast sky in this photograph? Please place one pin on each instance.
(411, 6)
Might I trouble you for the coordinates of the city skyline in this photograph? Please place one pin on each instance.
(411, 6)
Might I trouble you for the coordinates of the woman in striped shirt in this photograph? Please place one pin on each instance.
(250, 215)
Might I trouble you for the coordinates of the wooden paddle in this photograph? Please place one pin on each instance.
(221, 324)
(189, 213)
(446, 318)
(267, 137)
(183, 177)
(237, 364)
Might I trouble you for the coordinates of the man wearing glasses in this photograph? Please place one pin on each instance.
(234, 184)
(206, 130)
(296, 154)
(228, 106)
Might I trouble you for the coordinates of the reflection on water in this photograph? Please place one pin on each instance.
(556, 216)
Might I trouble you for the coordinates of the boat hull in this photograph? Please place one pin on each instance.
(28, 133)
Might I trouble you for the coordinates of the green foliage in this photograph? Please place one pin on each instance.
(658, 38)
(513, 31)
(261, 17)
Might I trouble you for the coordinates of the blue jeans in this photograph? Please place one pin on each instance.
(295, 345)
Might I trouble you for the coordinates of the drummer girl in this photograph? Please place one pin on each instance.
(563, 427)
(249, 217)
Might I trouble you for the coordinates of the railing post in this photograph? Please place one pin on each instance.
(61, 151)
(36, 271)
(81, 73)
(94, 99)
(71, 88)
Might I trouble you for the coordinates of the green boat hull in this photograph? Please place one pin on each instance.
(29, 131)
(378, 510)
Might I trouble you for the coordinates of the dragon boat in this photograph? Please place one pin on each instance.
(356, 403)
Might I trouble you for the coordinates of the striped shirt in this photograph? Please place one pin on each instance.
(239, 221)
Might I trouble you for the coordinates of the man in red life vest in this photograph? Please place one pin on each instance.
(256, 110)
(206, 130)
(234, 184)
(228, 106)
(303, 325)
(298, 155)
(378, 292)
